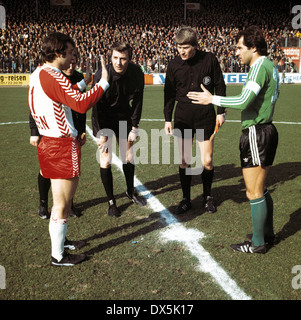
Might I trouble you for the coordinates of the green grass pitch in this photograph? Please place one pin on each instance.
(128, 259)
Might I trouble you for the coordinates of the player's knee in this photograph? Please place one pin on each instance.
(184, 165)
(129, 156)
(60, 211)
(208, 163)
(129, 159)
(105, 164)
(104, 160)
(251, 195)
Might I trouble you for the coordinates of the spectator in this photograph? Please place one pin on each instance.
(96, 24)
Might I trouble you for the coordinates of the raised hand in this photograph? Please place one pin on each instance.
(104, 71)
(88, 77)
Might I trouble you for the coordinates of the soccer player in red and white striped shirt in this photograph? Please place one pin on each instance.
(51, 97)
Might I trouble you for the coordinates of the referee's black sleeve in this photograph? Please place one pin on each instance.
(79, 119)
(94, 115)
(138, 99)
(169, 94)
(34, 131)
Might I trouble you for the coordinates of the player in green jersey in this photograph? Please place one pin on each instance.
(259, 139)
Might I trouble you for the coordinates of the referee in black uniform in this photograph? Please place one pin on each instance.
(189, 70)
(118, 112)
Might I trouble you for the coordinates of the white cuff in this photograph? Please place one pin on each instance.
(104, 84)
(216, 100)
(82, 85)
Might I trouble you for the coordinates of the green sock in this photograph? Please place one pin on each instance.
(259, 215)
(269, 227)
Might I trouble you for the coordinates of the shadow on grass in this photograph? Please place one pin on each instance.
(278, 175)
(82, 206)
(154, 220)
(290, 228)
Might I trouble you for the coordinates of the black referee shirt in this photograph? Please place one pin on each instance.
(183, 76)
(123, 100)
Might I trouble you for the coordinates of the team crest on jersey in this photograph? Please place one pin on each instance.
(206, 80)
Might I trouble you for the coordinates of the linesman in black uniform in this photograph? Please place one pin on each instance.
(118, 113)
(188, 70)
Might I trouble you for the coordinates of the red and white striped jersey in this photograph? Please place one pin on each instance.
(50, 97)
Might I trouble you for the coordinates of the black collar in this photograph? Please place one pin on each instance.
(192, 60)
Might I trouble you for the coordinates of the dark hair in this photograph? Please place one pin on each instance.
(186, 35)
(121, 47)
(253, 37)
(55, 43)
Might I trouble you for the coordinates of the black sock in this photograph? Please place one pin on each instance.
(44, 186)
(185, 183)
(207, 177)
(129, 170)
(107, 180)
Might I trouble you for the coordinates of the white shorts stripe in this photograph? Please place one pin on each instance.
(253, 146)
(75, 165)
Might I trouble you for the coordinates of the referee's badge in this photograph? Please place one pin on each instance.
(206, 80)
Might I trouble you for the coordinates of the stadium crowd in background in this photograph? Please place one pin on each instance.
(149, 26)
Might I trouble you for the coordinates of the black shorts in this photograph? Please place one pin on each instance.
(121, 129)
(188, 118)
(258, 145)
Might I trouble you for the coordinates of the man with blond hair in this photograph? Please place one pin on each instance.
(185, 73)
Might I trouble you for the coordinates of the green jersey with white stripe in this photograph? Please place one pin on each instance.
(259, 95)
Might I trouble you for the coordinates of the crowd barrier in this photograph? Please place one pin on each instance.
(14, 79)
(230, 78)
(22, 79)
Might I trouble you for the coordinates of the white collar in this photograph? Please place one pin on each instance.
(45, 65)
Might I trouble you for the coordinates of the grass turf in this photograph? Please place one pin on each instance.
(127, 258)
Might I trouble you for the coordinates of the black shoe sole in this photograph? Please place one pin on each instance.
(246, 247)
(81, 258)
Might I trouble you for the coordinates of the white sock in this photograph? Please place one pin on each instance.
(57, 230)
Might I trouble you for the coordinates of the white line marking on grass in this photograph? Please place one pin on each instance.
(17, 122)
(280, 122)
(150, 120)
(175, 231)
